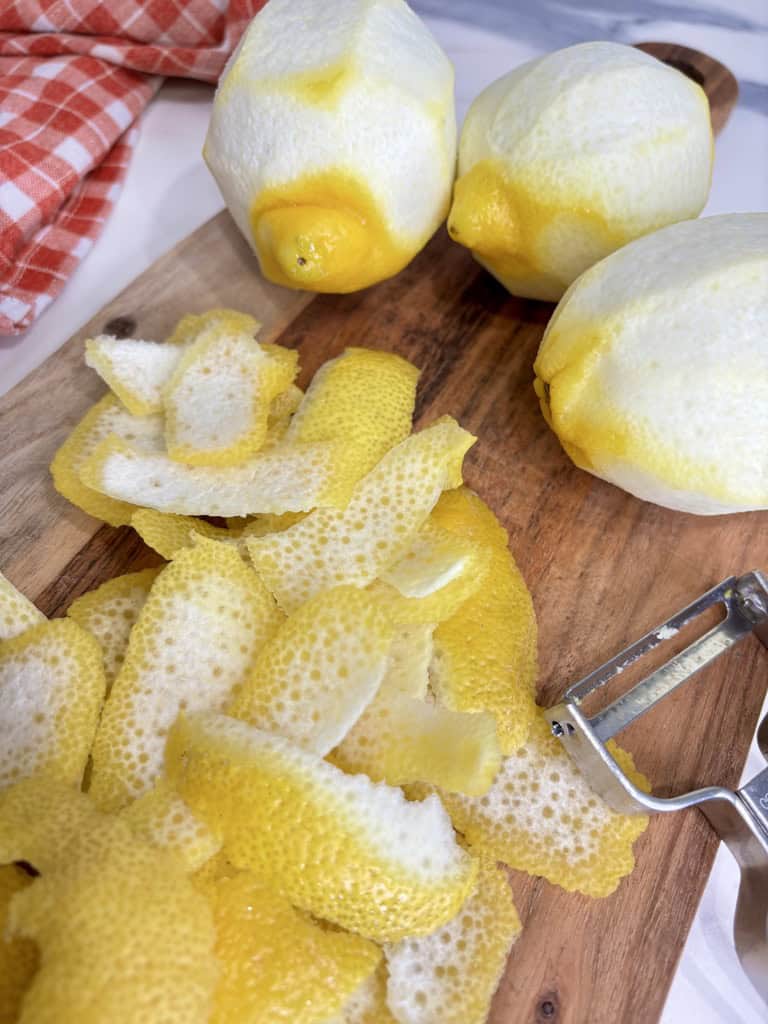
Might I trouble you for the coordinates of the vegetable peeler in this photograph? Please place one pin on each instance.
(740, 818)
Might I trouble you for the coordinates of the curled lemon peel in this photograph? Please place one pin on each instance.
(277, 964)
(451, 975)
(388, 506)
(103, 420)
(285, 478)
(52, 686)
(341, 847)
(134, 370)
(109, 612)
(485, 654)
(363, 397)
(195, 640)
(312, 680)
(540, 816)
(218, 399)
(17, 613)
(106, 900)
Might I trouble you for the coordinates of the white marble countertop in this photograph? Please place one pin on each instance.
(168, 193)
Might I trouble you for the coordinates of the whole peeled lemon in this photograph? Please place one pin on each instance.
(573, 155)
(333, 140)
(653, 370)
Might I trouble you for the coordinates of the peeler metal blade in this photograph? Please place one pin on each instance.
(740, 817)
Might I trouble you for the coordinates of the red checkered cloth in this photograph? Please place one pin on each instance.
(74, 77)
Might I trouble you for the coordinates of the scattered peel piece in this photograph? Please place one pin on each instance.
(161, 818)
(451, 975)
(313, 679)
(388, 506)
(540, 816)
(134, 370)
(400, 740)
(343, 848)
(17, 613)
(485, 654)
(287, 478)
(18, 957)
(218, 399)
(363, 397)
(109, 612)
(104, 419)
(196, 638)
(191, 325)
(105, 901)
(276, 964)
(51, 690)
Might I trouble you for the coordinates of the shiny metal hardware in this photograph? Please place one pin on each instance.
(740, 818)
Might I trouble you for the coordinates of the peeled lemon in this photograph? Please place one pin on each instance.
(570, 156)
(333, 140)
(653, 371)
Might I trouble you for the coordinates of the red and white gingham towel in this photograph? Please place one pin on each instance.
(74, 76)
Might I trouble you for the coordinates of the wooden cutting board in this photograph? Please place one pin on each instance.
(603, 567)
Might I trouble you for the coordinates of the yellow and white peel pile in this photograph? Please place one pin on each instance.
(240, 847)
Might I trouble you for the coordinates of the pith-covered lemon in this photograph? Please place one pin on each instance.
(653, 371)
(333, 140)
(570, 156)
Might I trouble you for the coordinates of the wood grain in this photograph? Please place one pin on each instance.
(603, 567)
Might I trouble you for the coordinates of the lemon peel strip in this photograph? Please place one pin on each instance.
(135, 370)
(364, 397)
(314, 678)
(109, 612)
(196, 638)
(342, 847)
(451, 975)
(288, 478)
(218, 398)
(51, 690)
(540, 816)
(485, 654)
(388, 506)
(17, 613)
(261, 942)
(104, 419)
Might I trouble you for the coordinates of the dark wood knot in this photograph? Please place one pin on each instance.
(548, 1009)
(121, 326)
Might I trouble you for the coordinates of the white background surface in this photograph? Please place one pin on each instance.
(168, 193)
